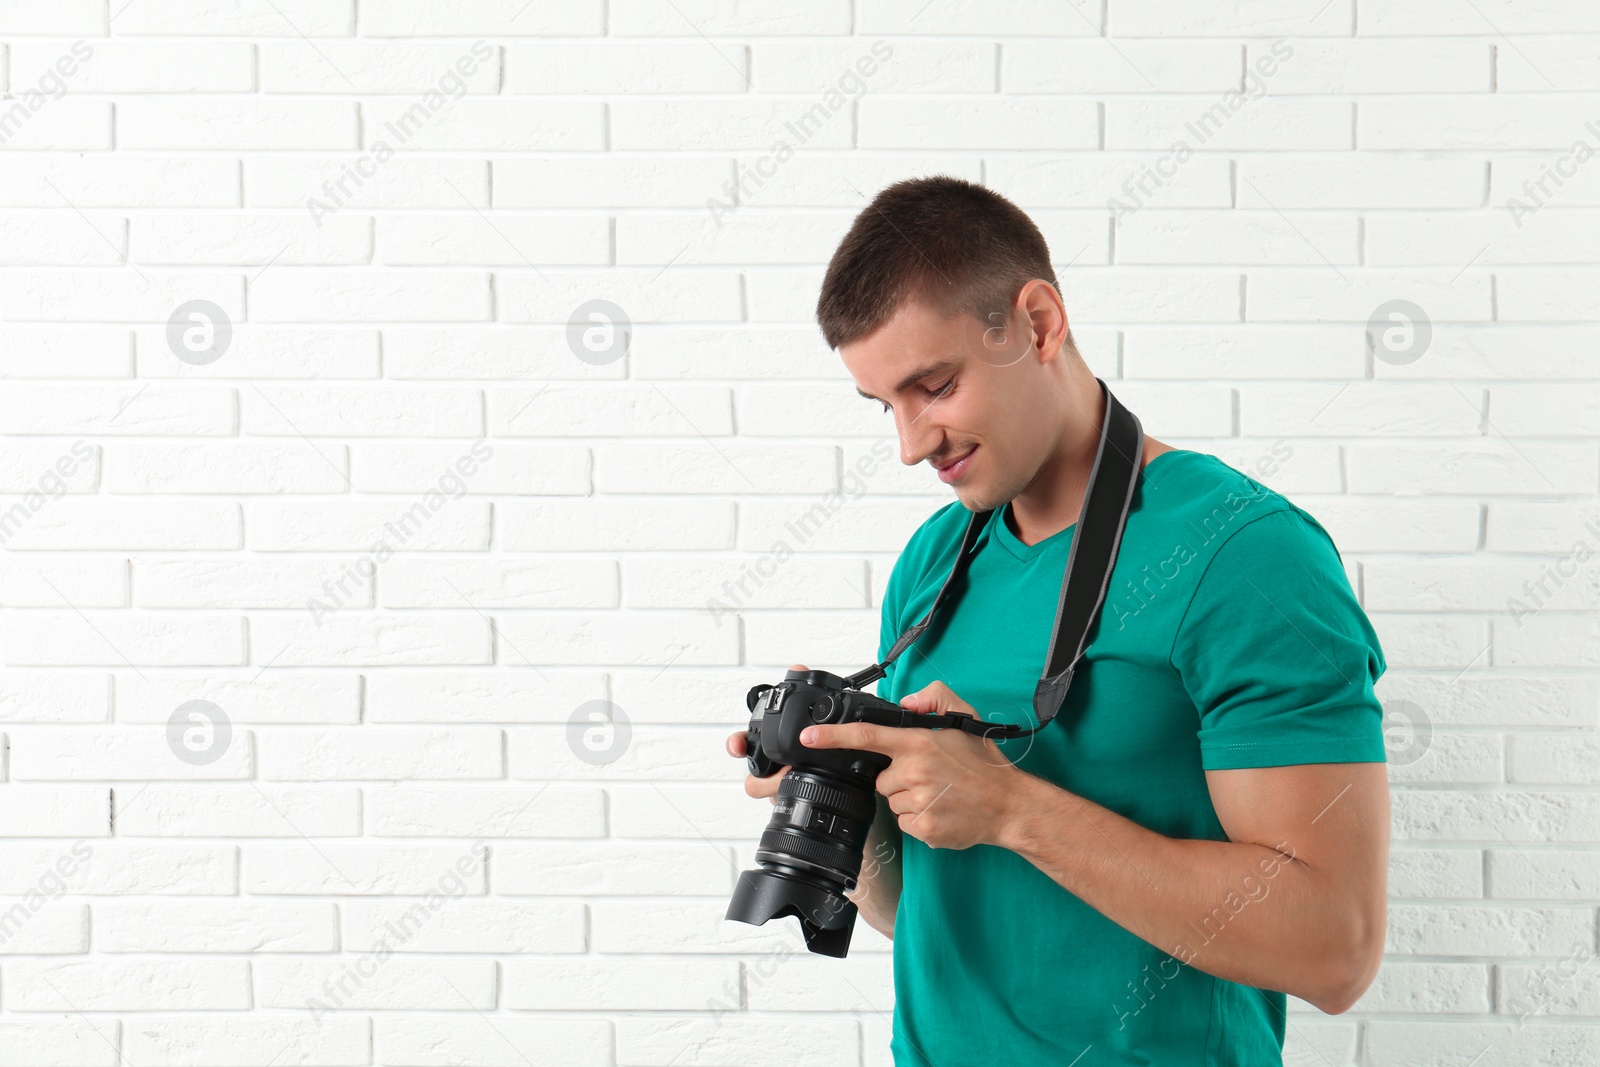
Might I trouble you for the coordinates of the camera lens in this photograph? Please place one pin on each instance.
(808, 857)
(819, 826)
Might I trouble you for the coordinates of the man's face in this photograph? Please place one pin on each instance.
(967, 396)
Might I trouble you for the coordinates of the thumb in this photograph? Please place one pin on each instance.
(933, 698)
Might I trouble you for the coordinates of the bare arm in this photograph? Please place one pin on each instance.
(877, 891)
(1294, 901)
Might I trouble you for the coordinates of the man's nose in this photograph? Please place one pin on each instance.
(919, 436)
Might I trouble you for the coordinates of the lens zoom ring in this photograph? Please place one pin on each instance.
(839, 858)
(851, 806)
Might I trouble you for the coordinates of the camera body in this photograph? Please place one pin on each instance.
(811, 853)
(808, 698)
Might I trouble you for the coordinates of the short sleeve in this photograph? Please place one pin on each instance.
(1277, 653)
(906, 574)
(889, 625)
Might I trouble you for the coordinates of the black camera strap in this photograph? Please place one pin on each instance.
(1117, 463)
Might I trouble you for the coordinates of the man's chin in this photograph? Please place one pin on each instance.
(973, 500)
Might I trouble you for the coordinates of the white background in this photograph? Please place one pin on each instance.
(415, 717)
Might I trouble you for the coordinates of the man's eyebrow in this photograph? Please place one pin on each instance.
(914, 376)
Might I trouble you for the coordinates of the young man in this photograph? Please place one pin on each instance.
(1205, 825)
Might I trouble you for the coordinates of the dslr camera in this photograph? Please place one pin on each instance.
(811, 852)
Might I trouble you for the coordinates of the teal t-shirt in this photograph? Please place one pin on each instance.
(1230, 637)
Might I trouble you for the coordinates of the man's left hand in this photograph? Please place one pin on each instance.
(949, 788)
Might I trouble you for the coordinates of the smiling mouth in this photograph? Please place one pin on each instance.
(954, 460)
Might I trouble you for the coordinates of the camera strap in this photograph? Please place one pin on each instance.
(1098, 536)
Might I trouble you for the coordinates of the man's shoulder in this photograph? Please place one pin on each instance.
(1203, 524)
(935, 539)
(935, 529)
(1207, 503)
(931, 547)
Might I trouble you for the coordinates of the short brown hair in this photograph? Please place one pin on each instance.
(955, 245)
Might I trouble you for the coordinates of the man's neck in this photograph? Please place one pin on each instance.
(1052, 502)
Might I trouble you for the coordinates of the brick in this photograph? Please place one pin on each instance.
(398, 984)
(412, 18)
(235, 1040)
(561, 869)
(650, 295)
(629, 985)
(234, 811)
(380, 753)
(362, 411)
(54, 810)
(140, 754)
(496, 584)
(204, 410)
(438, 811)
(1548, 816)
(154, 640)
(246, 696)
(1370, 180)
(84, 17)
(28, 1041)
(496, 926)
(250, 18)
(249, 240)
(1483, 121)
(1164, 238)
(245, 124)
(264, 352)
(379, 67)
(1451, 930)
(691, 753)
(60, 353)
(975, 125)
(428, 240)
(299, 868)
(903, 66)
(143, 66)
(377, 640)
(215, 926)
(359, 181)
(233, 469)
(507, 468)
(611, 410)
(620, 67)
(420, 1039)
(375, 296)
(481, 124)
(1423, 873)
(116, 869)
(518, 694)
(116, 296)
(1559, 17)
(1541, 874)
(948, 17)
(130, 985)
(419, 523)
(1319, 67)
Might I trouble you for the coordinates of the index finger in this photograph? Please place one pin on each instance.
(869, 737)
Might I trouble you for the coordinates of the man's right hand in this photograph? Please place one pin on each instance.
(759, 787)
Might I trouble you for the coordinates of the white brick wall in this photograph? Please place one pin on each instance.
(397, 765)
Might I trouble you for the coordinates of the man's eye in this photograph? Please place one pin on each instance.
(885, 406)
(942, 391)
